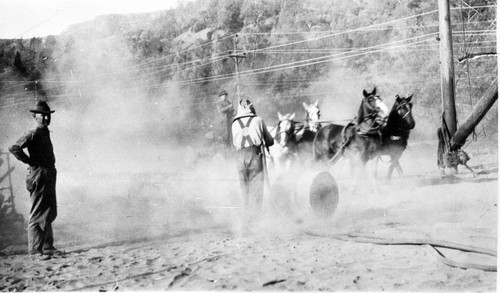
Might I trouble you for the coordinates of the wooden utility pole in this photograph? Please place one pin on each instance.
(447, 67)
(485, 103)
(236, 58)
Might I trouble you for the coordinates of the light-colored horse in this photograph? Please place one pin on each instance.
(306, 132)
(312, 116)
(284, 150)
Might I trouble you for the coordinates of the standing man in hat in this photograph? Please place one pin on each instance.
(227, 110)
(40, 182)
(250, 136)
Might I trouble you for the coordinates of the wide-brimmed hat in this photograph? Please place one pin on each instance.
(42, 107)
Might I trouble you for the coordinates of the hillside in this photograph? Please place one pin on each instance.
(175, 61)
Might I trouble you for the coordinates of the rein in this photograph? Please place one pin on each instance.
(407, 107)
(402, 118)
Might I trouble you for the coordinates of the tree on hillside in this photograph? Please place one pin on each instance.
(18, 63)
(293, 46)
(231, 16)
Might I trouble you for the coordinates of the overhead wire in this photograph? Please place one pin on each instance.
(203, 94)
(172, 66)
(179, 52)
(266, 69)
(44, 21)
(211, 61)
(72, 81)
(344, 32)
(295, 64)
(293, 43)
(22, 82)
(474, 135)
(287, 66)
(357, 29)
(366, 29)
(163, 68)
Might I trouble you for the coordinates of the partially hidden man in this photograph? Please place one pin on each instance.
(40, 182)
(250, 136)
(225, 107)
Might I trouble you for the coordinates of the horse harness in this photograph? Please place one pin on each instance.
(407, 107)
(290, 130)
(404, 132)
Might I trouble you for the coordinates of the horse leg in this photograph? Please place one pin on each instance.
(391, 169)
(399, 169)
(372, 174)
(470, 169)
(395, 165)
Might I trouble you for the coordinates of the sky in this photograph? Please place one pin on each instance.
(39, 18)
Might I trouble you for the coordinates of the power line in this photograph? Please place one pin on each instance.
(202, 64)
(345, 32)
(301, 63)
(301, 51)
(292, 64)
(314, 39)
(179, 52)
(269, 69)
(473, 7)
(256, 50)
(364, 30)
(44, 21)
(429, 80)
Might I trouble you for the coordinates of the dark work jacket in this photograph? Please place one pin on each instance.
(41, 152)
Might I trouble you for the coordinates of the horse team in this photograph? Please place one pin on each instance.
(375, 132)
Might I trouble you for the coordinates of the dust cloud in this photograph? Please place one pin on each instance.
(134, 162)
(130, 165)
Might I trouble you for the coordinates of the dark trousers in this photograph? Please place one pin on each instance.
(251, 175)
(41, 183)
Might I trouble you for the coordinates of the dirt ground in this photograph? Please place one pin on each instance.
(160, 235)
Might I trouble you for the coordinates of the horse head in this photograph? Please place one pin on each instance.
(285, 131)
(402, 110)
(372, 113)
(373, 105)
(312, 116)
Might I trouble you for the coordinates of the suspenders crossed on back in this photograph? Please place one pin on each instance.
(244, 131)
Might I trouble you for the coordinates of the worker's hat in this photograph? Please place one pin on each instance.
(42, 107)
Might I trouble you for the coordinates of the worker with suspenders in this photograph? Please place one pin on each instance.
(249, 135)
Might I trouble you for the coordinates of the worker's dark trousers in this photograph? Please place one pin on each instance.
(251, 175)
(41, 183)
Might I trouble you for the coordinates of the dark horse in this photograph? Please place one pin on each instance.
(390, 139)
(327, 142)
(331, 140)
(397, 132)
